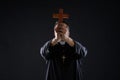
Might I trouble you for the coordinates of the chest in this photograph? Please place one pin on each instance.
(63, 53)
(63, 50)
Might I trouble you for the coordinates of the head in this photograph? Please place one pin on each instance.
(61, 28)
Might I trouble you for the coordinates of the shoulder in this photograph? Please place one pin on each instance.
(79, 47)
(77, 43)
(47, 43)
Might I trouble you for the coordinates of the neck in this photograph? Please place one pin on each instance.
(62, 42)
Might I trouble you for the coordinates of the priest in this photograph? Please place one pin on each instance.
(63, 55)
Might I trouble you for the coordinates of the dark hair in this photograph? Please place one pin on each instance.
(65, 23)
(62, 22)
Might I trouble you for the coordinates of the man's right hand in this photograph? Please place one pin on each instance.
(56, 39)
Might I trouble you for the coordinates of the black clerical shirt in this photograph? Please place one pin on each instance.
(63, 61)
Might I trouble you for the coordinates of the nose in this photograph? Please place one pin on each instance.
(60, 27)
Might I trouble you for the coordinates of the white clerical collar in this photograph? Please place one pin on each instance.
(62, 42)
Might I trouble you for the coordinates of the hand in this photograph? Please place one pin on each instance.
(56, 39)
(57, 36)
(67, 39)
(64, 37)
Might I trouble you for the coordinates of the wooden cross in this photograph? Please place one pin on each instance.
(60, 16)
(63, 58)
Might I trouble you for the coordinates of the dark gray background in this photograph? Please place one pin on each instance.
(26, 25)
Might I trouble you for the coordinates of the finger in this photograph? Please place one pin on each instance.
(59, 36)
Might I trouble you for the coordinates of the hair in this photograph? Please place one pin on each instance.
(65, 23)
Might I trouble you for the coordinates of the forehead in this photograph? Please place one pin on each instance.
(62, 24)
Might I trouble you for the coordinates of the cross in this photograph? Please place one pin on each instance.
(63, 57)
(60, 16)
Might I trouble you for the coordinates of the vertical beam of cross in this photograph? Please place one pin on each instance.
(61, 16)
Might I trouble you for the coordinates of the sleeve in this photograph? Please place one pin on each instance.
(80, 50)
(46, 50)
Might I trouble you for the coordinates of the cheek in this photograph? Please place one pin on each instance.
(56, 29)
(64, 31)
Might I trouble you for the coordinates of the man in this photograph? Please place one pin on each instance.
(63, 55)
